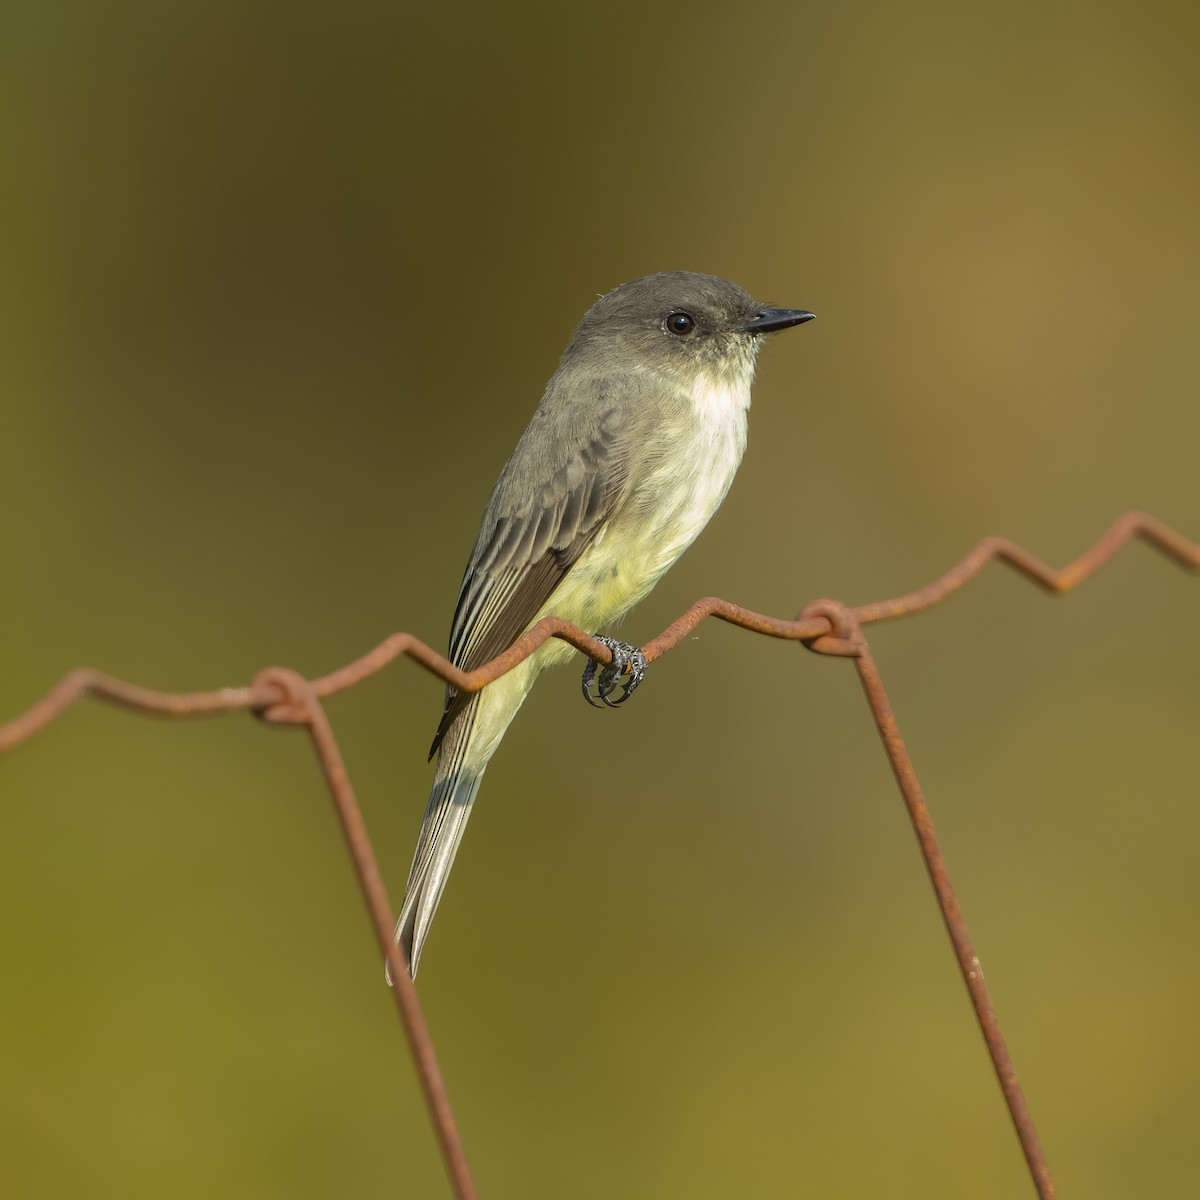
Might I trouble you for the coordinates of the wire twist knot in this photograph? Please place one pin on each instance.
(845, 638)
(294, 705)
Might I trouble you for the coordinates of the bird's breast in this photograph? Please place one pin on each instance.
(680, 477)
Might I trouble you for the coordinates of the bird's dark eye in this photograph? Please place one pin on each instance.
(680, 324)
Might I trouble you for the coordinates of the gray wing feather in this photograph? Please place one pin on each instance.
(535, 530)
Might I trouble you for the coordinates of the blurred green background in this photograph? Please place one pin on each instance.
(279, 287)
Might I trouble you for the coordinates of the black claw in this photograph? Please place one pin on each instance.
(626, 671)
(589, 673)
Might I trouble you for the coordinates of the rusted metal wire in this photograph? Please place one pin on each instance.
(1132, 525)
(282, 696)
(847, 640)
(87, 682)
(296, 703)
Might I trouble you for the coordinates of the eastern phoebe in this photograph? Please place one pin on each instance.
(633, 447)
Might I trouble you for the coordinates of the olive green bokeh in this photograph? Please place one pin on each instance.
(279, 286)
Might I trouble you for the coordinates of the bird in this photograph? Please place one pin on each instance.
(631, 450)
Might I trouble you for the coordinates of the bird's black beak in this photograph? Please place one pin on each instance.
(768, 320)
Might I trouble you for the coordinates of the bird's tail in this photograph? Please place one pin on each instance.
(463, 757)
(454, 787)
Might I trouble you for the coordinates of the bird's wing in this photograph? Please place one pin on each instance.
(533, 534)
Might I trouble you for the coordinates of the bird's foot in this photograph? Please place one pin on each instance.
(626, 671)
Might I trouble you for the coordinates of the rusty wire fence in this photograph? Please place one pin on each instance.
(284, 697)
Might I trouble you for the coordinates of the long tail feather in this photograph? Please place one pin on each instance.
(463, 757)
(454, 788)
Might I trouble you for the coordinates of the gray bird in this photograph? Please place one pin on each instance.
(633, 447)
